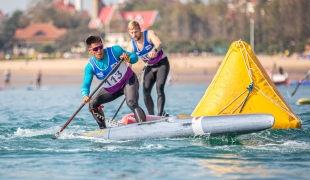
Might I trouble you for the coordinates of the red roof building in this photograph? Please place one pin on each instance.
(42, 33)
(63, 5)
(106, 15)
(111, 13)
(67, 6)
(35, 35)
(2, 17)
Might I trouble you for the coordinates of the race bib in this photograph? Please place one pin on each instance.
(145, 57)
(116, 76)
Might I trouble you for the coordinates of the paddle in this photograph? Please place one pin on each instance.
(78, 110)
(125, 97)
(308, 73)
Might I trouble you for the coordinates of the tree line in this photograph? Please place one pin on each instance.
(279, 25)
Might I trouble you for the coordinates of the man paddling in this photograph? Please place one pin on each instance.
(122, 81)
(148, 47)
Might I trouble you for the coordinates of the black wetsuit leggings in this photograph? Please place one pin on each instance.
(155, 74)
(131, 91)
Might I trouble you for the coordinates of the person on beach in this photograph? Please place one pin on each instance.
(147, 45)
(122, 81)
(7, 78)
(39, 79)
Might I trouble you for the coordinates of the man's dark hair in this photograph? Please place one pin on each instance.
(93, 39)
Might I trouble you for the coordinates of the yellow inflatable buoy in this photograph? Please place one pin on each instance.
(302, 101)
(242, 86)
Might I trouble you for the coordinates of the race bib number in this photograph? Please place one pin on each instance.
(113, 79)
(116, 76)
(145, 57)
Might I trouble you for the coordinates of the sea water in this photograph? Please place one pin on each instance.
(30, 117)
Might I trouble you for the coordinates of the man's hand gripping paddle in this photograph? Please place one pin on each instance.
(78, 110)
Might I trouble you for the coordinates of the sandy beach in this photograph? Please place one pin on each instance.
(184, 69)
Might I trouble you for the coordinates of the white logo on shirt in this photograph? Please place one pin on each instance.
(100, 74)
(148, 47)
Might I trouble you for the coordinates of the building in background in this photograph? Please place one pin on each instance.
(114, 22)
(65, 5)
(34, 35)
(108, 19)
(2, 17)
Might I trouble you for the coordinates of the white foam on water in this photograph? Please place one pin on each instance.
(66, 134)
(288, 146)
(297, 145)
(28, 132)
(153, 146)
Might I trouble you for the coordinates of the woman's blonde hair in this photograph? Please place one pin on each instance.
(133, 24)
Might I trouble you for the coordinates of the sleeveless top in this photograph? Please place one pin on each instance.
(147, 47)
(117, 80)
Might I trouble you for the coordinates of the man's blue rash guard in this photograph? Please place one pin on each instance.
(103, 63)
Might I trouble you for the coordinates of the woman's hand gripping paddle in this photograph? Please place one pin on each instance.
(78, 110)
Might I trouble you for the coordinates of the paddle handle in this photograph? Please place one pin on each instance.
(79, 109)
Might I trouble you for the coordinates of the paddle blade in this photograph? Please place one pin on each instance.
(56, 135)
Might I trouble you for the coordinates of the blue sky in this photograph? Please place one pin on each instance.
(9, 6)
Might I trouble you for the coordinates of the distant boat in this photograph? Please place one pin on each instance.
(280, 79)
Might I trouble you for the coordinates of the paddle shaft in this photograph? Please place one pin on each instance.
(308, 73)
(78, 110)
(125, 97)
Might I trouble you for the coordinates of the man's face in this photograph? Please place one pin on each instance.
(96, 49)
(135, 33)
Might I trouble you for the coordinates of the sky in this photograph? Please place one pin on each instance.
(9, 6)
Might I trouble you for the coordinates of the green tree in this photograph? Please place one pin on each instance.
(42, 11)
(46, 49)
(193, 25)
(74, 36)
(7, 31)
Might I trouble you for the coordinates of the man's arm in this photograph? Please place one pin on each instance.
(154, 39)
(118, 52)
(131, 49)
(88, 78)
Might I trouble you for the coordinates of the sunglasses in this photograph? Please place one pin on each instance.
(97, 48)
